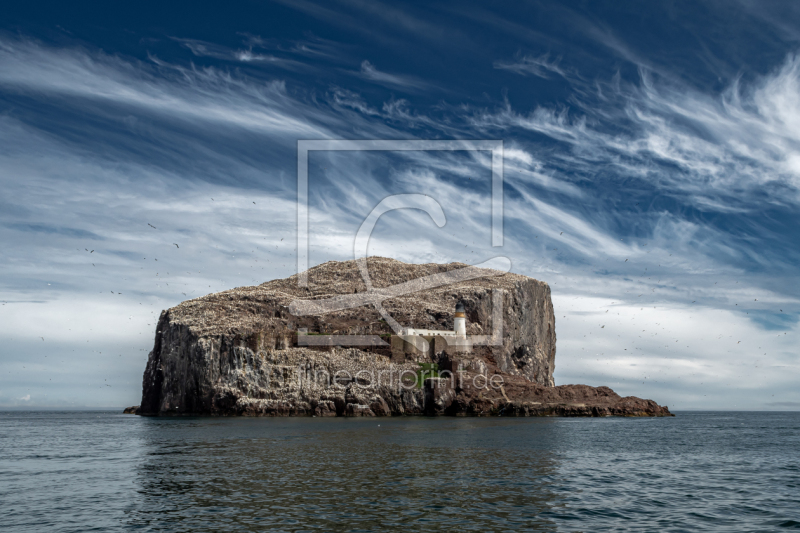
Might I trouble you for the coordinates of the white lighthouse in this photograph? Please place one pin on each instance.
(417, 342)
(460, 321)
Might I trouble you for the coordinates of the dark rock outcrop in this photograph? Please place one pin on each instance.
(236, 352)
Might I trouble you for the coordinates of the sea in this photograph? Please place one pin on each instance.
(105, 471)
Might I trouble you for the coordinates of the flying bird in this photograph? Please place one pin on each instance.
(176, 246)
(152, 226)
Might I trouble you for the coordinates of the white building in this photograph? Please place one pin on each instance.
(459, 329)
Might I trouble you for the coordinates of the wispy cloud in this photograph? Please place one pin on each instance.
(527, 65)
(245, 55)
(727, 153)
(206, 96)
(396, 81)
(383, 22)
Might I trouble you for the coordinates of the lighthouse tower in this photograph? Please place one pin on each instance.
(460, 320)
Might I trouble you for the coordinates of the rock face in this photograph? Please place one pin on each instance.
(237, 353)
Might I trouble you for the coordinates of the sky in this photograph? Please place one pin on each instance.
(651, 167)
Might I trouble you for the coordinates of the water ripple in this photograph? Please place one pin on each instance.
(68, 472)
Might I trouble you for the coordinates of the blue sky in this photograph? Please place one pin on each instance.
(652, 167)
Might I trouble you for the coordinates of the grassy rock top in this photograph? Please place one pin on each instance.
(264, 307)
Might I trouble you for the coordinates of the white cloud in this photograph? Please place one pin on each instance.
(203, 96)
(540, 66)
(714, 152)
(685, 356)
(518, 155)
(370, 72)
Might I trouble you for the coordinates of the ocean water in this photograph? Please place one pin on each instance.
(103, 471)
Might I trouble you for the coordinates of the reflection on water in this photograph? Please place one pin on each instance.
(71, 472)
(346, 474)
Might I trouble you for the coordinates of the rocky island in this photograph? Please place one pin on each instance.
(333, 348)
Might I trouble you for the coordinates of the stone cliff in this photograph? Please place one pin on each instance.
(238, 352)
